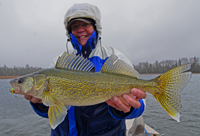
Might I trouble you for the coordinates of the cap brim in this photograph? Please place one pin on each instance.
(77, 19)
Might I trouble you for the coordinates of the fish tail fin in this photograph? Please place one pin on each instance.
(170, 86)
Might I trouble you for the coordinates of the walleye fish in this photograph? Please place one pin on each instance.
(71, 83)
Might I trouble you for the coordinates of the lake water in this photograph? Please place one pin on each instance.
(18, 119)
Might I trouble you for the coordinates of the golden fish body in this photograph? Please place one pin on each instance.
(71, 83)
(87, 88)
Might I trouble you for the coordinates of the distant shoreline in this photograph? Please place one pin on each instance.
(10, 77)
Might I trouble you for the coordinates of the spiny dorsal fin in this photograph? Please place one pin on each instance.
(113, 65)
(73, 62)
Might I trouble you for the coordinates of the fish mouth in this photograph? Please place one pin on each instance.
(15, 88)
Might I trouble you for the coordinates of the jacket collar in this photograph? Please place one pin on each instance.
(84, 50)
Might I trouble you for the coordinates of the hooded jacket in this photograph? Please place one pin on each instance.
(100, 119)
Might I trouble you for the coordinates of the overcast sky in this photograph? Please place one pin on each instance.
(32, 31)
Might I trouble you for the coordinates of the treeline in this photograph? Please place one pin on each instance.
(17, 71)
(163, 66)
(142, 68)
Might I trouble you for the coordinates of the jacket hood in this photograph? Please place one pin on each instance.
(83, 10)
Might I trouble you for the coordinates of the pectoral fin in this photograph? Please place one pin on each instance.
(57, 110)
(57, 114)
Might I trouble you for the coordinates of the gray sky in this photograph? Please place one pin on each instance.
(32, 31)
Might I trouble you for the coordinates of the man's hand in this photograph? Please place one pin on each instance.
(32, 99)
(128, 100)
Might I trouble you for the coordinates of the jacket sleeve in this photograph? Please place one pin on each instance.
(40, 109)
(134, 113)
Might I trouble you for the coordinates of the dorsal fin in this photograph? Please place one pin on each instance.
(113, 65)
(73, 62)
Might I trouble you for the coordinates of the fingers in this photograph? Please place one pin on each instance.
(132, 100)
(133, 97)
(111, 103)
(138, 93)
(126, 101)
(32, 99)
(118, 104)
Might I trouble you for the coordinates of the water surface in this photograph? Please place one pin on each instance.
(18, 119)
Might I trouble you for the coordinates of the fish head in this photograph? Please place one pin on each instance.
(22, 85)
(28, 84)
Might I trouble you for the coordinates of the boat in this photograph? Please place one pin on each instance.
(137, 127)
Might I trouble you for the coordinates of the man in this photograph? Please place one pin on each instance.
(83, 28)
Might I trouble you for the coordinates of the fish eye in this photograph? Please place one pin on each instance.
(20, 80)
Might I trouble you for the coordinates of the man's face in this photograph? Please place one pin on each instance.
(82, 31)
